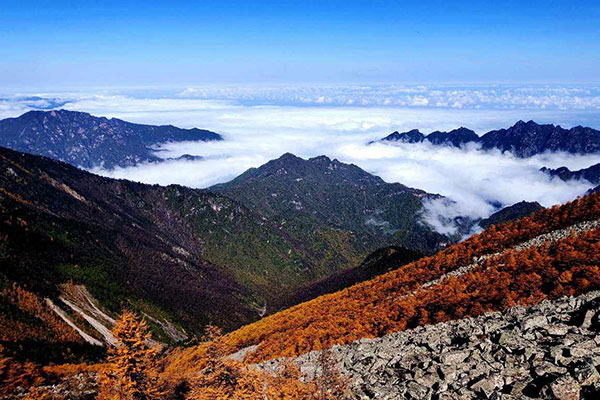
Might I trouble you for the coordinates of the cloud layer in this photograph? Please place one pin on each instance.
(261, 124)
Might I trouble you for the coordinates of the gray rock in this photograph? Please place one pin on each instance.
(504, 355)
(488, 386)
(537, 321)
(565, 388)
(454, 357)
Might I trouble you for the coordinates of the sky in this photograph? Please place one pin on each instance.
(108, 43)
(260, 124)
(319, 77)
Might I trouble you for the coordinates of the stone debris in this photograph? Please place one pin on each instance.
(547, 351)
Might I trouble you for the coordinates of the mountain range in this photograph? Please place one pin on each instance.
(591, 174)
(513, 311)
(292, 259)
(87, 141)
(187, 257)
(524, 139)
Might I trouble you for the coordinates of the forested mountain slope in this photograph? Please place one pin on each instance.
(340, 209)
(551, 254)
(183, 256)
(84, 140)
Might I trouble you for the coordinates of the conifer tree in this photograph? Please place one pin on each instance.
(132, 375)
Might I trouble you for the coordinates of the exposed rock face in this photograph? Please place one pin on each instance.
(551, 350)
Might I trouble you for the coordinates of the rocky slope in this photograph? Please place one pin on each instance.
(87, 141)
(524, 139)
(548, 350)
(551, 350)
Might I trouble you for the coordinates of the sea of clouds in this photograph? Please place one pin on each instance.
(260, 124)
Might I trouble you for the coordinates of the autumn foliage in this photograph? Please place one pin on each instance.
(43, 324)
(501, 275)
(132, 374)
(397, 300)
(221, 378)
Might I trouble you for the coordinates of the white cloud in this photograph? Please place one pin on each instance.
(261, 124)
(473, 178)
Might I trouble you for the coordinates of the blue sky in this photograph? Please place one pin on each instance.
(149, 43)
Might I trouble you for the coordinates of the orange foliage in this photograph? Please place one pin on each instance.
(132, 373)
(15, 374)
(54, 330)
(395, 301)
(220, 378)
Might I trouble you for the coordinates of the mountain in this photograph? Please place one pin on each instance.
(461, 312)
(517, 210)
(342, 211)
(65, 230)
(591, 174)
(377, 263)
(184, 257)
(513, 311)
(87, 141)
(412, 136)
(456, 137)
(524, 139)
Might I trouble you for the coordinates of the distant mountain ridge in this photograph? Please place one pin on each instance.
(87, 141)
(524, 139)
(591, 174)
(517, 210)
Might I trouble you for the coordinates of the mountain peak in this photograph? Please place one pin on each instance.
(528, 124)
(524, 139)
(412, 136)
(455, 137)
(287, 158)
(85, 140)
(321, 158)
(291, 168)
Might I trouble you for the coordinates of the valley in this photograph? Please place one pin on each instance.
(289, 260)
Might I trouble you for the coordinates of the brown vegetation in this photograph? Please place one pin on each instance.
(46, 325)
(395, 301)
(132, 371)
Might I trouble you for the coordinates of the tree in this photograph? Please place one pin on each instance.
(330, 384)
(132, 373)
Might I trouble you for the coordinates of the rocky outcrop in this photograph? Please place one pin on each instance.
(551, 350)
